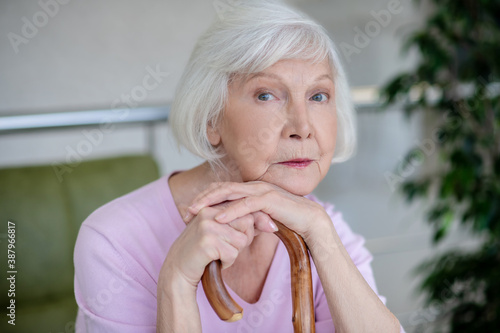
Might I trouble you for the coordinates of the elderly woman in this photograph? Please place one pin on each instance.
(265, 101)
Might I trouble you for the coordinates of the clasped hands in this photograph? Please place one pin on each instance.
(225, 217)
(251, 207)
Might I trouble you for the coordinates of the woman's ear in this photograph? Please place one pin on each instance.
(213, 135)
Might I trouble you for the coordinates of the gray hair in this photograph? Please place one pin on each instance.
(250, 38)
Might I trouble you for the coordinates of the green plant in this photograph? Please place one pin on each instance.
(457, 79)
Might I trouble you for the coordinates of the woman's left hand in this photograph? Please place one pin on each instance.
(305, 217)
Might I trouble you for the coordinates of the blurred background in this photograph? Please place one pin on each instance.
(95, 55)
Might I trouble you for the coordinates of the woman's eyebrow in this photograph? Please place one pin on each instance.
(277, 77)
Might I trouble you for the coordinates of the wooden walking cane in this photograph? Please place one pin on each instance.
(302, 294)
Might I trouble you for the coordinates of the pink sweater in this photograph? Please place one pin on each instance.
(121, 248)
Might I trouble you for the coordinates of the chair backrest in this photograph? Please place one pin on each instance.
(47, 204)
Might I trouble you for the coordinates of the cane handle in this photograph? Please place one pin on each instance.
(302, 296)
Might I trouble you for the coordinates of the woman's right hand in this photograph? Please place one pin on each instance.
(205, 240)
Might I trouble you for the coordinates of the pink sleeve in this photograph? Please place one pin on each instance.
(109, 296)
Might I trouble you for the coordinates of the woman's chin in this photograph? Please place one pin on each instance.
(298, 181)
(299, 190)
(296, 185)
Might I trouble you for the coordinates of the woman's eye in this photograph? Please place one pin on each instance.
(265, 97)
(319, 97)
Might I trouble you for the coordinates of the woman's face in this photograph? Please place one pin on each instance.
(280, 125)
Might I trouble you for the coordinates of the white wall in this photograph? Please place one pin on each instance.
(91, 52)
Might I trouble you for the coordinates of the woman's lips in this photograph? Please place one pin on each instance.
(297, 163)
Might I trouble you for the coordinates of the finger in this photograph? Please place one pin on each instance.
(216, 234)
(264, 223)
(253, 224)
(246, 206)
(224, 188)
(192, 212)
(232, 236)
(188, 217)
(226, 191)
(227, 254)
(231, 243)
(245, 225)
(295, 213)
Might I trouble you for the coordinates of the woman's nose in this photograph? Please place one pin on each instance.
(298, 124)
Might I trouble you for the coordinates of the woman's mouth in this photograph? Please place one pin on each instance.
(300, 163)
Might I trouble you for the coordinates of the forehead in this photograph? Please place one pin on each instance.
(290, 70)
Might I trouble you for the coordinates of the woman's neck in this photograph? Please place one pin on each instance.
(186, 185)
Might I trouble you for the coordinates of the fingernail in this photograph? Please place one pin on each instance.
(220, 217)
(273, 225)
(186, 216)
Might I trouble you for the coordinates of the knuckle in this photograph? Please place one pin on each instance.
(236, 237)
(269, 196)
(266, 186)
(229, 256)
(261, 218)
(242, 223)
(247, 201)
(206, 226)
(241, 241)
(274, 194)
(248, 220)
(233, 253)
(203, 214)
(257, 215)
(209, 248)
(206, 241)
(212, 253)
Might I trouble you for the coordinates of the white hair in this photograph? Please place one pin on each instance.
(251, 37)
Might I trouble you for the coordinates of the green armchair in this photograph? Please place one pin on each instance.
(47, 207)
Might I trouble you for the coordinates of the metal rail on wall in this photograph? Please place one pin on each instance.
(28, 122)
(58, 120)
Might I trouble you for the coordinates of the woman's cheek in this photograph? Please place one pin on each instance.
(258, 129)
(328, 127)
